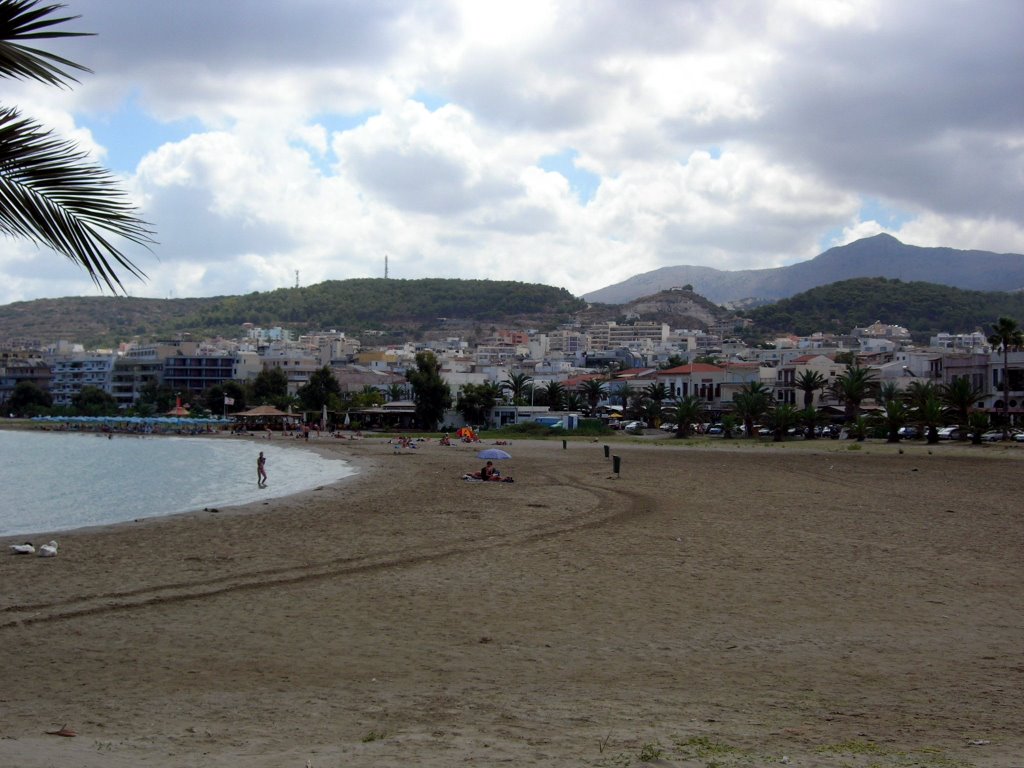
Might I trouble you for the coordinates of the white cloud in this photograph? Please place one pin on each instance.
(734, 135)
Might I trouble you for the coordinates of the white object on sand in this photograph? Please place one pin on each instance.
(23, 549)
(48, 550)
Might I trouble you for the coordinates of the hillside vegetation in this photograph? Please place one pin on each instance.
(406, 307)
(922, 308)
(415, 309)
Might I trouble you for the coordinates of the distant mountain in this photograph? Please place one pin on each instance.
(878, 256)
(404, 308)
(922, 308)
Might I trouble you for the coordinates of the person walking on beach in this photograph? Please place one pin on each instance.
(261, 471)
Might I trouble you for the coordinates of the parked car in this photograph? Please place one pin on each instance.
(714, 429)
(668, 426)
(995, 435)
(908, 433)
(1019, 437)
(635, 425)
(950, 433)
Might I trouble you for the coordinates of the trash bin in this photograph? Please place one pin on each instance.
(616, 464)
(606, 452)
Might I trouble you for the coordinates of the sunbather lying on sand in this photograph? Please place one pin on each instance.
(489, 473)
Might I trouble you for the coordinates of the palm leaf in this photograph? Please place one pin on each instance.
(22, 20)
(52, 194)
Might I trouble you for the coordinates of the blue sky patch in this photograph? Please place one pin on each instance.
(873, 209)
(583, 183)
(339, 123)
(130, 133)
(431, 101)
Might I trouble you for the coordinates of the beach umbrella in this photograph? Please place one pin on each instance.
(495, 454)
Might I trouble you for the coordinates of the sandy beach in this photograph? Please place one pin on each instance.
(818, 604)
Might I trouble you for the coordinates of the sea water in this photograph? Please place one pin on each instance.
(53, 481)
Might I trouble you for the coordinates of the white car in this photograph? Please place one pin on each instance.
(636, 425)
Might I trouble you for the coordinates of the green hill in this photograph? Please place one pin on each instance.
(405, 308)
(923, 308)
(414, 309)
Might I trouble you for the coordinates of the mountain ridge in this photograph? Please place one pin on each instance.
(878, 256)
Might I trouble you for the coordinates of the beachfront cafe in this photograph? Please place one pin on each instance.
(264, 417)
(398, 414)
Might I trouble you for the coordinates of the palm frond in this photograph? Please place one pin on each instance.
(23, 20)
(52, 193)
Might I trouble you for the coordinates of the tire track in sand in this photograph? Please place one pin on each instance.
(630, 504)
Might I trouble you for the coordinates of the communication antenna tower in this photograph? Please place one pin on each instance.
(296, 278)
(385, 266)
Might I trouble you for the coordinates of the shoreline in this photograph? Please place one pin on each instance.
(285, 444)
(807, 602)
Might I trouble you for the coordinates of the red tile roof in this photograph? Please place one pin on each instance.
(684, 370)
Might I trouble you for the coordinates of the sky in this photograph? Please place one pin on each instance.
(571, 143)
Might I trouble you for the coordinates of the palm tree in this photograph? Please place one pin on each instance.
(978, 424)
(919, 390)
(893, 416)
(859, 428)
(781, 418)
(397, 391)
(620, 392)
(573, 401)
(518, 385)
(50, 191)
(851, 387)
(931, 415)
(554, 393)
(687, 411)
(637, 407)
(370, 396)
(751, 403)
(959, 397)
(812, 418)
(656, 393)
(890, 390)
(594, 390)
(809, 382)
(1006, 334)
(651, 412)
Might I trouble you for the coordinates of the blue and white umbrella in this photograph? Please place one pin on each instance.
(495, 454)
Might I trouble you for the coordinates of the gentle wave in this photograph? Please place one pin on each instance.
(59, 481)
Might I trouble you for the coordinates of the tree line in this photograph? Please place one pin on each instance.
(922, 308)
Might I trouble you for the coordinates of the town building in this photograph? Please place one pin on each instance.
(70, 374)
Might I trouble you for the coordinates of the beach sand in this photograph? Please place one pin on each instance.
(818, 604)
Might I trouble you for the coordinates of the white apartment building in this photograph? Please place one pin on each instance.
(70, 374)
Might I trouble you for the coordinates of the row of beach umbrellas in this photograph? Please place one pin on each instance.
(138, 420)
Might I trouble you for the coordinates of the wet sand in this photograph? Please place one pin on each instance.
(827, 603)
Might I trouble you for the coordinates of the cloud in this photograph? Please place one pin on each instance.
(569, 143)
